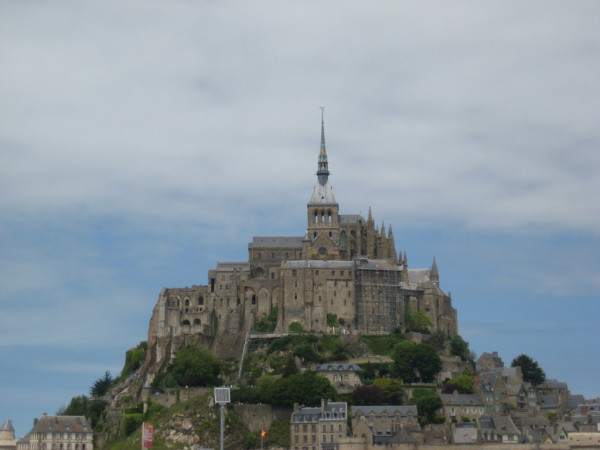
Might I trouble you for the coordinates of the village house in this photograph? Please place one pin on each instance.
(58, 432)
(318, 428)
(343, 377)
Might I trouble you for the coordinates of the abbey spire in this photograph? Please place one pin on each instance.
(323, 170)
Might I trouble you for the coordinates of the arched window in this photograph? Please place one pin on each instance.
(254, 299)
(187, 302)
(329, 216)
(185, 322)
(197, 322)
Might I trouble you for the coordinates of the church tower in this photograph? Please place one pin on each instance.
(323, 230)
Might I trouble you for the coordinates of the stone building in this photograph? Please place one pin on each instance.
(58, 432)
(7, 436)
(343, 377)
(342, 267)
(319, 428)
(386, 420)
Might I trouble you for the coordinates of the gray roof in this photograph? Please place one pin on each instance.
(337, 368)
(378, 410)
(276, 241)
(229, 266)
(7, 426)
(332, 411)
(378, 264)
(62, 424)
(461, 400)
(318, 264)
(322, 195)
(500, 424)
(350, 218)
(548, 401)
(487, 380)
(418, 275)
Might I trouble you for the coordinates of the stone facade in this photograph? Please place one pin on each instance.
(7, 436)
(319, 428)
(58, 432)
(341, 265)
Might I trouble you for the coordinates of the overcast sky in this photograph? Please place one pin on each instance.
(142, 142)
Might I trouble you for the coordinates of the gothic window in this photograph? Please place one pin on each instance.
(197, 322)
(329, 216)
(201, 301)
(254, 299)
(322, 216)
(187, 302)
(315, 218)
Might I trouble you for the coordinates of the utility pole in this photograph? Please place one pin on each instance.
(222, 397)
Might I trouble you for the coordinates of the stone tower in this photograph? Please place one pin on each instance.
(322, 231)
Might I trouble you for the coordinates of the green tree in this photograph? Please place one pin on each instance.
(368, 395)
(532, 372)
(428, 402)
(290, 367)
(427, 361)
(331, 320)
(304, 388)
(101, 385)
(403, 357)
(459, 347)
(462, 383)
(418, 321)
(195, 366)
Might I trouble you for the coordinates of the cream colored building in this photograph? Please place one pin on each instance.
(7, 436)
(58, 433)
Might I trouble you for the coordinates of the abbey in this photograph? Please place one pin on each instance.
(342, 264)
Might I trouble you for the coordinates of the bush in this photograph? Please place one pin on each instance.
(267, 323)
(134, 359)
(295, 327)
(131, 423)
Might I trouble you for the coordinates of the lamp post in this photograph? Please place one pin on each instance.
(222, 397)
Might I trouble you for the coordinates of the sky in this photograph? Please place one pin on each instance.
(143, 141)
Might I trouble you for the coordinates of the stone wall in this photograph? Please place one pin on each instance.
(260, 417)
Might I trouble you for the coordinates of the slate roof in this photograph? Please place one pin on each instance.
(351, 218)
(228, 266)
(499, 424)
(318, 264)
(322, 195)
(332, 411)
(399, 437)
(378, 264)
(378, 410)
(461, 400)
(418, 275)
(7, 426)
(61, 424)
(575, 400)
(548, 402)
(276, 241)
(337, 368)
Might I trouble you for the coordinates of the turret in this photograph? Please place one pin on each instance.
(323, 232)
(435, 277)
